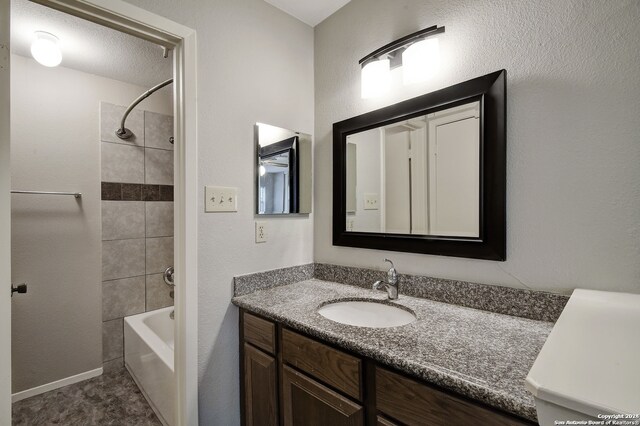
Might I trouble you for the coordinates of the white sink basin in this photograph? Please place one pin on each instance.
(366, 314)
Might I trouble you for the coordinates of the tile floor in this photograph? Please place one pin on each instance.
(110, 399)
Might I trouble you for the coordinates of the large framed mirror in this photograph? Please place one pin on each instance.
(427, 175)
(283, 171)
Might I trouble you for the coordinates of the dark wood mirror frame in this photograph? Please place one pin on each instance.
(491, 91)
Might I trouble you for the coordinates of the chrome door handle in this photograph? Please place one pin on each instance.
(20, 289)
(168, 276)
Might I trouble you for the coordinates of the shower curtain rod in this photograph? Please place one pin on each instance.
(123, 132)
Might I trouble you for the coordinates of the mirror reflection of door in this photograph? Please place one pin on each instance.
(418, 176)
(274, 184)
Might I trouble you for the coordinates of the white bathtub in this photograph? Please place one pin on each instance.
(148, 355)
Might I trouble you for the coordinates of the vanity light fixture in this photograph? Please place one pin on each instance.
(418, 54)
(421, 61)
(376, 78)
(45, 49)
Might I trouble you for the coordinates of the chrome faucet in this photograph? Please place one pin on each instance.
(392, 282)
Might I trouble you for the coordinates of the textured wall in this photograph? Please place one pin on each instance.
(255, 64)
(56, 326)
(573, 102)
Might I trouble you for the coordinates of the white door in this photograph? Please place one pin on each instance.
(454, 171)
(456, 194)
(5, 222)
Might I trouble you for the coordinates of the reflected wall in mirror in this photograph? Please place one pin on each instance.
(427, 175)
(417, 176)
(283, 171)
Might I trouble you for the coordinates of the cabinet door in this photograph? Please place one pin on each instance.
(308, 403)
(260, 388)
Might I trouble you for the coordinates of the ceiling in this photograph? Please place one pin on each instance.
(99, 50)
(311, 12)
(89, 47)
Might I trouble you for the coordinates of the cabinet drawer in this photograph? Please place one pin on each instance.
(336, 368)
(307, 402)
(413, 403)
(259, 332)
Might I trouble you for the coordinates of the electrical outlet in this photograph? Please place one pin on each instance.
(350, 224)
(261, 232)
(370, 201)
(220, 199)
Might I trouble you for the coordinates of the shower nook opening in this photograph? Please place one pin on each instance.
(180, 41)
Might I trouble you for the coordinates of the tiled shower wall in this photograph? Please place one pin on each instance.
(137, 220)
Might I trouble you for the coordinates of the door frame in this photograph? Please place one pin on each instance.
(124, 17)
(5, 217)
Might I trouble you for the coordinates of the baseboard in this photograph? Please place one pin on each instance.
(55, 385)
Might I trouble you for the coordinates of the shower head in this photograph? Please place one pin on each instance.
(123, 132)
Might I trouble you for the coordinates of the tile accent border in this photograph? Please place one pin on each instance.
(536, 305)
(245, 284)
(115, 191)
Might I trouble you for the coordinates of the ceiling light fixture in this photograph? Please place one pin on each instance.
(45, 49)
(417, 53)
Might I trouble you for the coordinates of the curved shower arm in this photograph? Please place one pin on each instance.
(123, 132)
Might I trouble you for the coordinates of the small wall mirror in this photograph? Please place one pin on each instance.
(283, 171)
(425, 175)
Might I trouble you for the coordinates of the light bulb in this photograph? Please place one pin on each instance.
(46, 50)
(421, 61)
(262, 170)
(375, 78)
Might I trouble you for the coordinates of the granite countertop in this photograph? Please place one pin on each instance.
(482, 355)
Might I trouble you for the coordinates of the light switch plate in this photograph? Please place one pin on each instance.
(370, 201)
(220, 199)
(261, 232)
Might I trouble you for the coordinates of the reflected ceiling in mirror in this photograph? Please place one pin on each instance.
(283, 171)
(417, 176)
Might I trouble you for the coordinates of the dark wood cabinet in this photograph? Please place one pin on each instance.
(290, 379)
(307, 402)
(260, 388)
(336, 368)
(259, 332)
(381, 421)
(414, 403)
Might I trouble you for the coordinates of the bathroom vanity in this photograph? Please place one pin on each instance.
(452, 366)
